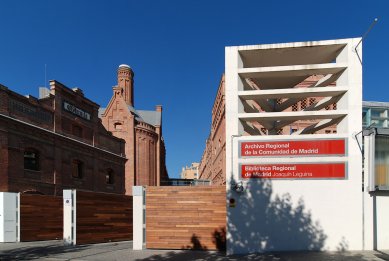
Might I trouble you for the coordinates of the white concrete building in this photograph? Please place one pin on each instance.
(302, 191)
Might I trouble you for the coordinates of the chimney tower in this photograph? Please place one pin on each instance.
(126, 83)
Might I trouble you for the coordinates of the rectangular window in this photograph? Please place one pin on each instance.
(109, 177)
(77, 131)
(77, 169)
(364, 118)
(382, 161)
(377, 123)
(377, 113)
(31, 160)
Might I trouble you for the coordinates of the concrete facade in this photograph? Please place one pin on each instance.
(213, 166)
(191, 172)
(375, 114)
(57, 142)
(142, 131)
(295, 214)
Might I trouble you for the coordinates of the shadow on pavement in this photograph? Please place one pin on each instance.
(279, 256)
(38, 251)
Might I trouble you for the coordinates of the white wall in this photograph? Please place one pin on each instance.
(69, 216)
(138, 217)
(278, 215)
(9, 217)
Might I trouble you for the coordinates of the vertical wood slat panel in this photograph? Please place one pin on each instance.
(186, 217)
(41, 217)
(103, 217)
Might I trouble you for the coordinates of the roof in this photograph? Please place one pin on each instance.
(101, 112)
(151, 117)
(375, 104)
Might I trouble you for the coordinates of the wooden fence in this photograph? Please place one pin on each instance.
(103, 217)
(41, 217)
(186, 217)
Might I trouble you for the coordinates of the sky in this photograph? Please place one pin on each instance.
(175, 48)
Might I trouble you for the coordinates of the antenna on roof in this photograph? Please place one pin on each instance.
(364, 36)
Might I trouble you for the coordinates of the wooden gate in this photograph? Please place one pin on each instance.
(102, 217)
(41, 217)
(186, 217)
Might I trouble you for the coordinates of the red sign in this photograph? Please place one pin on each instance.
(293, 148)
(294, 171)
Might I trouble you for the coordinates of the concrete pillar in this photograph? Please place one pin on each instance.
(139, 218)
(9, 217)
(69, 216)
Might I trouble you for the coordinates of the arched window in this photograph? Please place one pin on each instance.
(31, 159)
(109, 176)
(77, 169)
(118, 126)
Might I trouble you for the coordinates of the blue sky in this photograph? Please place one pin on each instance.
(176, 49)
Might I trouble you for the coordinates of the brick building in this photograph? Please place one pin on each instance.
(142, 131)
(56, 142)
(213, 162)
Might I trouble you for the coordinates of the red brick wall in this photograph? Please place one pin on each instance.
(213, 163)
(146, 156)
(56, 153)
(141, 144)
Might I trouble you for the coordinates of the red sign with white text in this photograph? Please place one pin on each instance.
(333, 147)
(294, 171)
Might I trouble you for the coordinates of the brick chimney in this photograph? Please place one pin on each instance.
(126, 83)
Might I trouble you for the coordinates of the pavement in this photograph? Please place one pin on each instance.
(122, 251)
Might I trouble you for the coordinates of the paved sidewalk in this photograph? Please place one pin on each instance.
(122, 251)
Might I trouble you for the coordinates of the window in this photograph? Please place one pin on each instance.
(118, 126)
(377, 123)
(377, 113)
(31, 159)
(381, 169)
(77, 131)
(364, 118)
(109, 176)
(77, 169)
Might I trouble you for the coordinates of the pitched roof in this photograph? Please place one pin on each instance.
(151, 117)
(101, 112)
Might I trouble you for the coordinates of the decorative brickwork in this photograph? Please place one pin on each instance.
(142, 131)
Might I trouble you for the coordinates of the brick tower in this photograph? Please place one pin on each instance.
(126, 83)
